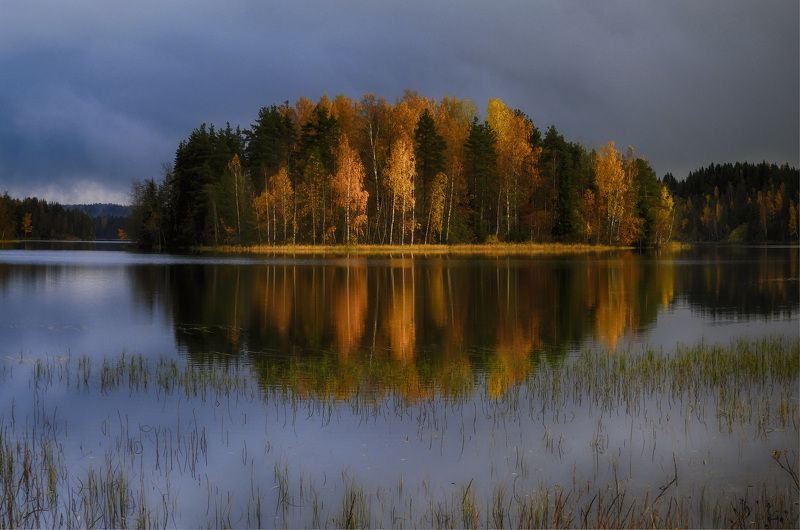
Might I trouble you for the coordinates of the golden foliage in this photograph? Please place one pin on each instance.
(514, 152)
(348, 190)
(438, 190)
(400, 181)
(405, 114)
(616, 195)
(663, 218)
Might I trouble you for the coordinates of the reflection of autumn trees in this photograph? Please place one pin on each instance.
(276, 298)
(400, 321)
(614, 304)
(518, 334)
(419, 325)
(349, 308)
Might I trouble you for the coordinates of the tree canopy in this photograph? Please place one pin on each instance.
(420, 170)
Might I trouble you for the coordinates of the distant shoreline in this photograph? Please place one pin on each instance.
(66, 241)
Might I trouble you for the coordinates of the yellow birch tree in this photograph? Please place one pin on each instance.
(513, 150)
(282, 194)
(615, 195)
(400, 181)
(348, 190)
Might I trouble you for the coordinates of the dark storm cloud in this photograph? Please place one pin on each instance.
(96, 94)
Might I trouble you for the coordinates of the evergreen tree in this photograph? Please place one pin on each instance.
(270, 143)
(429, 148)
(481, 170)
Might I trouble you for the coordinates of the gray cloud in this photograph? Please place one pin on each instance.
(96, 94)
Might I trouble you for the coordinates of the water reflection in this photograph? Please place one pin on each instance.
(432, 322)
(743, 283)
(412, 325)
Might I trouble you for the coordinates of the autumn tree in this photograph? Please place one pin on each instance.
(614, 184)
(449, 177)
(453, 117)
(405, 114)
(591, 220)
(345, 111)
(514, 149)
(282, 192)
(437, 207)
(630, 226)
(275, 202)
(348, 190)
(262, 204)
(400, 182)
(301, 112)
(663, 217)
(373, 113)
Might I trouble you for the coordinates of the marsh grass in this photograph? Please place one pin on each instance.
(746, 386)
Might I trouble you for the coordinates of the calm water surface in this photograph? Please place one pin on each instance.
(101, 302)
(438, 342)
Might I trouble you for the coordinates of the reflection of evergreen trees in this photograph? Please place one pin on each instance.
(438, 321)
(754, 284)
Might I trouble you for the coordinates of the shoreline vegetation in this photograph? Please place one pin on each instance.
(144, 473)
(505, 249)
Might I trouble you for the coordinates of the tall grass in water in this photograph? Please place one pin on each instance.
(750, 383)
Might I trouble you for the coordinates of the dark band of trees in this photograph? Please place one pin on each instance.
(33, 218)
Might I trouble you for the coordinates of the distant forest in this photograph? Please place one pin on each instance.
(737, 203)
(33, 218)
(110, 220)
(427, 171)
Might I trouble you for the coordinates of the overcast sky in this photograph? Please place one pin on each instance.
(95, 94)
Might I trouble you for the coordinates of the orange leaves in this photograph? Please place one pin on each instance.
(405, 114)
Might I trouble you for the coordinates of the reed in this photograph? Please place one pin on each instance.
(142, 473)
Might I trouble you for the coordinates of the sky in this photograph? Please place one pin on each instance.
(97, 94)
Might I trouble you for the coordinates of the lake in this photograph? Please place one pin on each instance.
(399, 390)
